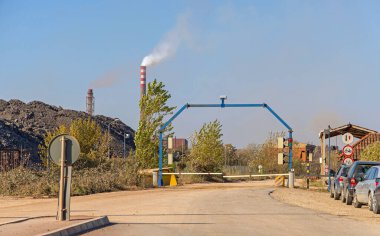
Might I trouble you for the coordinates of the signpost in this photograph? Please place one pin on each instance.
(64, 151)
(347, 138)
(348, 161)
(348, 151)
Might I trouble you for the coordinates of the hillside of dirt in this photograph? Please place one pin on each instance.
(24, 125)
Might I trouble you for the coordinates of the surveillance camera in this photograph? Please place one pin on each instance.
(224, 97)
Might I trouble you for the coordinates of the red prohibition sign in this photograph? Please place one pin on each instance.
(348, 151)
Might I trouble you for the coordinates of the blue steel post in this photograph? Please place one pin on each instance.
(278, 117)
(160, 183)
(160, 162)
(222, 105)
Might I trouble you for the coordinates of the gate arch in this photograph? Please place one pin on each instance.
(221, 105)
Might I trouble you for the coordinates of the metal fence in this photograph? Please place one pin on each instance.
(13, 158)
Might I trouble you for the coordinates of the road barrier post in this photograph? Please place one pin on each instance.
(291, 179)
(155, 178)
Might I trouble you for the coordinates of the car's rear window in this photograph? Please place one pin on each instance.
(360, 169)
(345, 171)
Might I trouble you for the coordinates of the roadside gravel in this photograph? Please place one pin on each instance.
(321, 202)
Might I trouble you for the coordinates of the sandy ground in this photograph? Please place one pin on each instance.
(321, 202)
(201, 209)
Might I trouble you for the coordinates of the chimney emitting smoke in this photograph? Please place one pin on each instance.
(90, 102)
(142, 80)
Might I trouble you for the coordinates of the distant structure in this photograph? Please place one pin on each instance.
(179, 144)
(142, 81)
(90, 102)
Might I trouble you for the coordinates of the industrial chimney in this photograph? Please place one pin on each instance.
(142, 80)
(90, 102)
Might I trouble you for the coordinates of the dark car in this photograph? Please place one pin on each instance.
(337, 182)
(354, 175)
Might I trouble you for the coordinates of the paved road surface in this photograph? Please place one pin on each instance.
(244, 210)
(208, 209)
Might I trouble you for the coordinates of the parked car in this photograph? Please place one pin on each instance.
(357, 169)
(337, 181)
(376, 200)
(364, 190)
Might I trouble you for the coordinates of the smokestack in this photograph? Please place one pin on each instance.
(142, 80)
(90, 102)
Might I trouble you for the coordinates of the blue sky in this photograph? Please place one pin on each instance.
(314, 62)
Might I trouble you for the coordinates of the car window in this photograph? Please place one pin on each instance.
(345, 171)
(368, 174)
(359, 170)
(375, 173)
(352, 171)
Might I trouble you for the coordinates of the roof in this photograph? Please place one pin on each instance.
(357, 131)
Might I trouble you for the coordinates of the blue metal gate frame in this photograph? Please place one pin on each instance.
(221, 105)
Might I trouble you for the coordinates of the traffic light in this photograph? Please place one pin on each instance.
(281, 158)
(281, 144)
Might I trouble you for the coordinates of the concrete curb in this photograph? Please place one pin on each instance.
(80, 227)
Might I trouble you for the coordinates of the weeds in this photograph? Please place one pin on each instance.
(112, 175)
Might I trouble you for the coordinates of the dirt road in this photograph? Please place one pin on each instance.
(206, 209)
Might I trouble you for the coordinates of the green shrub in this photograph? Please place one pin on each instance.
(112, 175)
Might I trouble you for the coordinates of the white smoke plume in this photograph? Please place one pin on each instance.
(170, 43)
(107, 80)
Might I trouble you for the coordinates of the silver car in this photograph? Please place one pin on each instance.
(364, 190)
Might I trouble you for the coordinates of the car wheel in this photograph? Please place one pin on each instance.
(356, 203)
(348, 198)
(375, 206)
(331, 192)
(343, 196)
(336, 195)
(370, 202)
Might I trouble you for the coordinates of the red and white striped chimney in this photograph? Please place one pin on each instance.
(142, 80)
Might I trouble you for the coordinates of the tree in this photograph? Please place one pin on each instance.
(207, 153)
(230, 155)
(43, 148)
(93, 143)
(371, 152)
(153, 109)
(88, 133)
(266, 155)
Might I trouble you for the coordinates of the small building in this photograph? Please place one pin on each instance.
(179, 144)
(366, 136)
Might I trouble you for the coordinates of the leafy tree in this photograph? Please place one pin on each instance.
(153, 109)
(88, 133)
(266, 155)
(230, 155)
(43, 148)
(93, 143)
(371, 152)
(207, 153)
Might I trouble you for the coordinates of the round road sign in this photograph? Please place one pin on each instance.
(72, 149)
(348, 151)
(348, 161)
(347, 138)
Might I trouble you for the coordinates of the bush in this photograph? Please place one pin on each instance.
(371, 152)
(111, 175)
